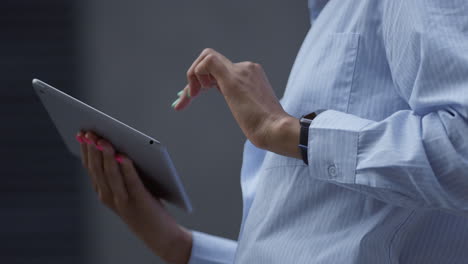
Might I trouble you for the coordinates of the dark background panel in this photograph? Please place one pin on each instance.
(39, 195)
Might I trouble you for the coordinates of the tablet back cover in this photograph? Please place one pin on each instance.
(150, 157)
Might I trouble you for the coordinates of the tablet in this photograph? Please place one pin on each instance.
(150, 156)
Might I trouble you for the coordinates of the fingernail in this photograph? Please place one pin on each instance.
(79, 138)
(180, 93)
(119, 159)
(99, 147)
(175, 102)
(87, 140)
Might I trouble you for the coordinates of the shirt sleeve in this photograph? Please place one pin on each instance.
(208, 249)
(415, 158)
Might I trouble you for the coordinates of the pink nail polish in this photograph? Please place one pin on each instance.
(79, 138)
(87, 140)
(118, 159)
(99, 147)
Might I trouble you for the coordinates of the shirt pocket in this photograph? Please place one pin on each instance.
(322, 76)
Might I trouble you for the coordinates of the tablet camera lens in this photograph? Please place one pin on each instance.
(151, 141)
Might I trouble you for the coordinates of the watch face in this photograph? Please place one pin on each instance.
(307, 119)
(310, 116)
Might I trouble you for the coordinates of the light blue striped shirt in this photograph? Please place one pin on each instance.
(387, 180)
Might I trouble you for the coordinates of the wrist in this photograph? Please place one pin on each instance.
(284, 139)
(179, 249)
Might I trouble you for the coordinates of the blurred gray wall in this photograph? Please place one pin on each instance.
(134, 56)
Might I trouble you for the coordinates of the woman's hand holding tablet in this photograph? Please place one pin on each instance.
(119, 187)
(133, 188)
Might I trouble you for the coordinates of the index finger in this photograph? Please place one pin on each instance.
(194, 84)
(195, 77)
(215, 67)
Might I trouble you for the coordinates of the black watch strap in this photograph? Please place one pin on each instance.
(305, 122)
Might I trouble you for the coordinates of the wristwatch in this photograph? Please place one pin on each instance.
(305, 122)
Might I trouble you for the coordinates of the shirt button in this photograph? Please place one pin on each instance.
(332, 170)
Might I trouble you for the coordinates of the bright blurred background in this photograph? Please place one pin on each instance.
(128, 59)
